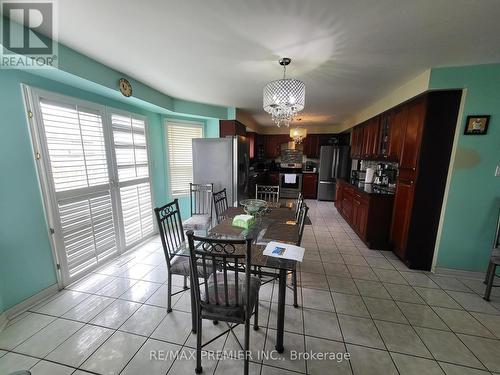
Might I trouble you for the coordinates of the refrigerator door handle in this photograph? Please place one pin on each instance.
(334, 163)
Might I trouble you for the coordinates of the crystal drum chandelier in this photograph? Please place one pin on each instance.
(284, 98)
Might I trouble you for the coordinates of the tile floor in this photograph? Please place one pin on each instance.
(390, 319)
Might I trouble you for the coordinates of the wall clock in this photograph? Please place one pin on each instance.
(125, 87)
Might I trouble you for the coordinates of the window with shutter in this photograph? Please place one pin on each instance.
(180, 157)
(75, 144)
(94, 173)
(129, 140)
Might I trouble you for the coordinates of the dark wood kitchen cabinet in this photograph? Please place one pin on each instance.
(310, 185)
(231, 127)
(365, 139)
(397, 125)
(272, 146)
(370, 138)
(423, 168)
(311, 145)
(403, 201)
(416, 110)
(356, 142)
(369, 215)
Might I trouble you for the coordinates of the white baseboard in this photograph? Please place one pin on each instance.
(459, 273)
(28, 302)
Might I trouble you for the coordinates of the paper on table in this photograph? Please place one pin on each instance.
(284, 250)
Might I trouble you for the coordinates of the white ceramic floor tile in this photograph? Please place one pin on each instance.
(154, 358)
(15, 334)
(410, 365)
(175, 328)
(115, 314)
(49, 368)
(367, 361)
(75, 350)
(144, 320)
(114, 354)
(140, 291)
(90, 283)
(116, 287)
(47, 339)
(89, 308)
(12, 362)
(64, 301)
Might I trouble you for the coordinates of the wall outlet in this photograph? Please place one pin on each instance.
(497, 171)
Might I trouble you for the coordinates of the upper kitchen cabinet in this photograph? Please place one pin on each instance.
(397, 119)
(357, 142)
(312, 145)
(365, 140)
(370, 138)
(413, 133)
(231, 127)
(272, 146)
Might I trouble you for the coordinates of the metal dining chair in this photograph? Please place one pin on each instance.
(298, 205)
(494, 262)
(268, 193)
(201, 207)
(229, 292)
(172, 237)
(301, 220)
(220, 203)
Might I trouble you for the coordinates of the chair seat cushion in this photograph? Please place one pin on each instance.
(180, 265)
(221, 309)
(197, 222)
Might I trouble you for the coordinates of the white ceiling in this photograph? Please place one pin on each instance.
(348, 52)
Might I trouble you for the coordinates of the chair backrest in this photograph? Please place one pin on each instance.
(496, 240)
(221, 260)
(169, 222)
(298, 206)
(268, 193)
(220, 203)
(201, 198)
(302, 221)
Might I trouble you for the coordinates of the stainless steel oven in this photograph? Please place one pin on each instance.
(290, 180)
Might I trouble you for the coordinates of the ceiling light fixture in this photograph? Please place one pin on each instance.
(284, 98)
(298, 134)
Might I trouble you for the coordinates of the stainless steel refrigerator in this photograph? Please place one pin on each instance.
(223, 162)
(333, 164)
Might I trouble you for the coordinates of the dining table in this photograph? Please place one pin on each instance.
(274, 224)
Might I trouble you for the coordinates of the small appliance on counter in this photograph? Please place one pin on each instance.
(310, 166)
(385, 175)
(369, 175)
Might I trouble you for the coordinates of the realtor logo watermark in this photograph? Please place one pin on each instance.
(28, 31)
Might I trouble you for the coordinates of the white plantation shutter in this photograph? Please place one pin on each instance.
(74, 138)
(88, 231)
(180, 156)
(76, 148)
(129, 139)
(94, 173)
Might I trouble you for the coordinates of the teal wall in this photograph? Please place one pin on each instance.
(474, 194)
(26, 265)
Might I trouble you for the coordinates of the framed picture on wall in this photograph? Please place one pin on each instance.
(477, 125)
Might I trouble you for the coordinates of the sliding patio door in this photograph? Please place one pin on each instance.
(94, 173)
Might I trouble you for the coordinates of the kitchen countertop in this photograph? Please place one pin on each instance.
(371, 188)
(310, 172)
